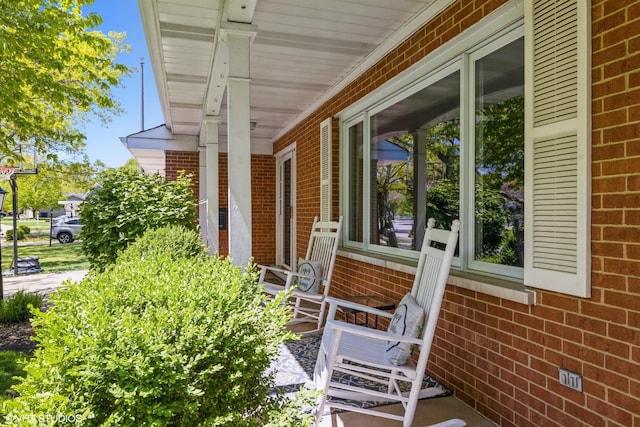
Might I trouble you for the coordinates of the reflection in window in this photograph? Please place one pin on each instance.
(499, 156)
(414, 169)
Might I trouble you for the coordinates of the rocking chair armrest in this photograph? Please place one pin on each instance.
(370, 332)
(271, 268)
(289, 273)
(337, 302)
(289, 282)
(308, 276)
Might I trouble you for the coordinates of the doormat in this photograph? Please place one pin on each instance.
(297, 360)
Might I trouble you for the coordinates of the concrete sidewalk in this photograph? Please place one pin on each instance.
(41, 282)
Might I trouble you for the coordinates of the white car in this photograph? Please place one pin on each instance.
(58, 219)
(66, 230)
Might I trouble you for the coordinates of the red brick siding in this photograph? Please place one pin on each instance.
(500, 357)
(263, 208)
(184, 162)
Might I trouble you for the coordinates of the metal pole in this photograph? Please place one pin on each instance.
(3, 195)
(1, 275)
(142, 94)
(50, 224)
(14, 195)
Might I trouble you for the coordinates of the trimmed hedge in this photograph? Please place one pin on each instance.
(164, 337)
(22, 232)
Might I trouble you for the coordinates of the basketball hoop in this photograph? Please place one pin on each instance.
(6, 172)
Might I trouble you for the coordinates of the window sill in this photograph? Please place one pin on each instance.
(500, 288)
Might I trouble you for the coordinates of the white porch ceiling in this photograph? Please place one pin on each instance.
(303, 50)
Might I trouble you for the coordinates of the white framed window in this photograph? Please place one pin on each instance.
(447, 139)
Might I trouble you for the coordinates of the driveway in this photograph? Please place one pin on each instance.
(42, 282)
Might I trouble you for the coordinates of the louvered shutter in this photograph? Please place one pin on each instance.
(325, 170)
(558, 146)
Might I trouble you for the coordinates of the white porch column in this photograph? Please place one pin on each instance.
(239, 37)
(202, 191)
(210, 130)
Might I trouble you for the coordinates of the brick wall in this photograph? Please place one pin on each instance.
(263, 208)
(500, 357)
(187, 162)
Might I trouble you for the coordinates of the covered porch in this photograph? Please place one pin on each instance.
(290, 109)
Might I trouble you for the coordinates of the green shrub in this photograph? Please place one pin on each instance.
(25, 229)
(125, 205)
(16, 309)
(9, 234)
(158, 341)
(174, 241)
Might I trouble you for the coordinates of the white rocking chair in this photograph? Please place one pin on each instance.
(309, 304)
(364, 353)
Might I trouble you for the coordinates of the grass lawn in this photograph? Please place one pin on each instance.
(10, 366)
(56, 258)
(41, 226)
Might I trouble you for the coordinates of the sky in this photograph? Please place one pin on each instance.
(103, 141)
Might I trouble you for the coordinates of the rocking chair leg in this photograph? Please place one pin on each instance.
(410, 410)
(321, 314)
(296, 308)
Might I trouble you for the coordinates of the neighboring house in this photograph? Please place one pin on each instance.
(519, 112)
(72, 204)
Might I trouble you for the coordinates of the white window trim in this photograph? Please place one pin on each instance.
(510, 291)
(288, 152)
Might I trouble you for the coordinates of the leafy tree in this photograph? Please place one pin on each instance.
(132, 165)
(81, 175)
(40, 191)
(127, 203)
(43, 190)
(55, 72)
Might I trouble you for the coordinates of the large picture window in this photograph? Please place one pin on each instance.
(448, 146)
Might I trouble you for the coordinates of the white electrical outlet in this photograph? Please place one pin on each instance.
(570, 379)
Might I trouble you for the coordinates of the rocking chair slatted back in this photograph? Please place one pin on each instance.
(323, 247)
(428, 287)
(310, 306)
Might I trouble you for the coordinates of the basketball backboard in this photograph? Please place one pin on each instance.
(24, 161)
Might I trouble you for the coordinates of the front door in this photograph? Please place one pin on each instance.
(286, 197)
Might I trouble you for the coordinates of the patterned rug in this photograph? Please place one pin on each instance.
(294, 370)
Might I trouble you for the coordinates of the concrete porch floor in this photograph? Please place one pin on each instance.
(429, 412)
